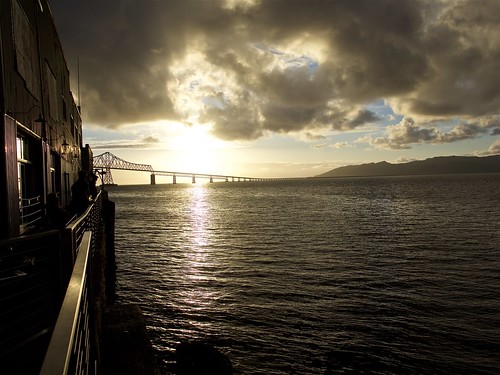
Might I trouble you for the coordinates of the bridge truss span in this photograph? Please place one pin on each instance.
(108, 161)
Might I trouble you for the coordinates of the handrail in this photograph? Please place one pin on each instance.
(71, 326)
(88, 221)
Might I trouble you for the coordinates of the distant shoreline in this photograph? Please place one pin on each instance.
(443, 165)
(403, 175)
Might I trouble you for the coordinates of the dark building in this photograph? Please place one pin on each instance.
(41, 126)
(56, 270)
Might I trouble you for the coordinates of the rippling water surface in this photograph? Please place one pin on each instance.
(396, 275)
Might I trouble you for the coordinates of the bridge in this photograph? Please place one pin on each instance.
(108, 161)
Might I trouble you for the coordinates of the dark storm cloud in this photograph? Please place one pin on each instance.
(364, 116)
(284, 66)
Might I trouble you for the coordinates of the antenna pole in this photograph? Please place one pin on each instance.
(78, 72)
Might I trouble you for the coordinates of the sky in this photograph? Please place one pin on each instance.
(283, 88)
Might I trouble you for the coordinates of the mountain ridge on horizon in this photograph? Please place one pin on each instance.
(435, 165)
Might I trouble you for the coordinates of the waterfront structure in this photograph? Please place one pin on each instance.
(44, 324)
(41, 125)
(57, 314)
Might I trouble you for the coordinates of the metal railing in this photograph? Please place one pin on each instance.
(30, 210)
(88, 221)
(30, 294)
(69, 351)
(72, 347)
(34, 274)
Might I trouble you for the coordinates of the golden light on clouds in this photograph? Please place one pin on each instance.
(287, 76)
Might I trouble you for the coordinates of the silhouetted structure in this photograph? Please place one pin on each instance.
(108, 161)
(41, 139)
(80, 193)
(57, 216)
(41, 126)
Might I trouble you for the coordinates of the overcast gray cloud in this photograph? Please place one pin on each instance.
(286, 66)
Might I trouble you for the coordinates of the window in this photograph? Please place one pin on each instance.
(22, 163)
(22, 148)
(30, 204)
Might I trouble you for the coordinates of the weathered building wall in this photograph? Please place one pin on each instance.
(37, 101)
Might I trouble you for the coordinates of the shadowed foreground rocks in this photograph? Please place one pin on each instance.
(201, 358)
(126, 345)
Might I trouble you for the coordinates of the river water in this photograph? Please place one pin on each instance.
(394, 275)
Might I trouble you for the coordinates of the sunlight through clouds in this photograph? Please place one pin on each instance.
(196, 150)
(297, 73)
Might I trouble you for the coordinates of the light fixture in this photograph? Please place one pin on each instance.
(65, 147)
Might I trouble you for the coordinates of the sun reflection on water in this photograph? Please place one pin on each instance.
(199, 215)
(198, 266)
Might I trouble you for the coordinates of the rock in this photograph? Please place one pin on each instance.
(201, 359)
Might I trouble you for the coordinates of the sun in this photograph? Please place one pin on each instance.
(196, 151)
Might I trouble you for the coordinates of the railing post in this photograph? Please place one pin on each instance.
(68, 254)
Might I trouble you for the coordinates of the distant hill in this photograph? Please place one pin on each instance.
(437, 165)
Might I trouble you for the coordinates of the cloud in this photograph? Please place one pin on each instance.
(116, 145)
(125, 143)
(340, 145)
(337, 145)
(313, 136)
(402, 135)
(494, 149)
(151, 139)
(402, 160)
(472, 130)
(407, 133)
(247, 68)
(321, 145)
(364, 116)
(462, 42)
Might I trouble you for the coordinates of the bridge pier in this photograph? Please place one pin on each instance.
(153, 179)
(211, 179)
(194, 180)
(174, 179)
